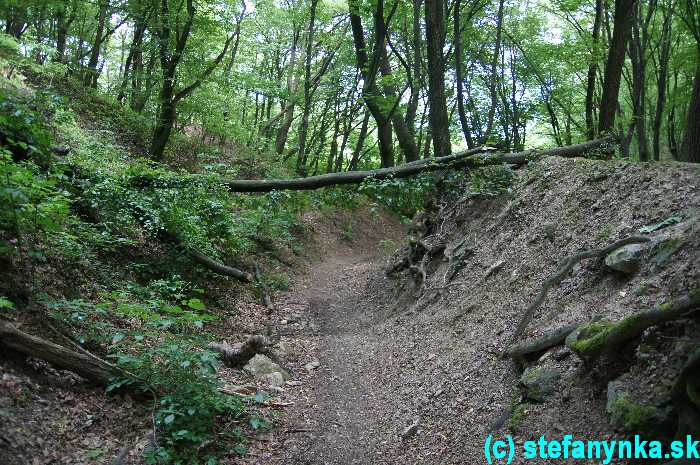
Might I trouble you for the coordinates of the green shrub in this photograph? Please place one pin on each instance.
(190, 409)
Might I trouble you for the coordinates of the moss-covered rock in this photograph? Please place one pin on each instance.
(538, 384)
(625, 259)
(637, 416)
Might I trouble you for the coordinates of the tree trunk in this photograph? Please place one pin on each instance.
(638, 90)
(437, 115)
(622, 26)
(468, 158)
(593, 70)
(304, 124)
(91, 75)
(134, 50)
(690, 146)
(359, 146)
(406, 139)
(662, 83)
(493, 76)
(459, 76)
(372, 97)
(90, 368)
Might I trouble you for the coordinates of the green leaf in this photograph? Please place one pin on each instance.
(655, 227)
(118, 338)
(195, 304)
(169, 419)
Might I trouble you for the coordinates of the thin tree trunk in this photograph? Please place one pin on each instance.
(435, 37)
(359, 146)
(91, 75)
(662, 83)
(459, 76)
(592, 71)
(690, 146)
(622, 26)
(304, 124)
(493, 76)
(407, 142)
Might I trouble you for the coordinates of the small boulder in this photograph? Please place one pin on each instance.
(538, 384)
(625, 259)
(312, 365)
(274, 379)
(636, 415)
(261, 365)
(410, 430)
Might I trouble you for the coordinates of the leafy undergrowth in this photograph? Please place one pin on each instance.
(94, 241)
(94, 249)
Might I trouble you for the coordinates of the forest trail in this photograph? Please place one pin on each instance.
(339, 411)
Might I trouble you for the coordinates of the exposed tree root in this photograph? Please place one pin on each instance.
(553, 338)
(593, 340)
(238, 354)
(265, 294)
(564, 269)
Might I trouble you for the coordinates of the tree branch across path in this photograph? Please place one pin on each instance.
(473, 158)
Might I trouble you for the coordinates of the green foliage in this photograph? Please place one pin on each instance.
(9, 47)
(403, 196)
(276, 281)
(491, 180)
(23, 127)
(190, 409)
(6, 304)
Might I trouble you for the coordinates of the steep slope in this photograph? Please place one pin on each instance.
(395, 354)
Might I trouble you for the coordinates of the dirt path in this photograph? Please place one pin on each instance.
(336, 419)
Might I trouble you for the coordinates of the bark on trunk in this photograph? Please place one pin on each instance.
(662, 83)
(90, 368)
(407, 142)
(592, 71)
(459, 76)
(690, 146)
(468, 158)
(622, 26)
(437, 115)
(91, 75)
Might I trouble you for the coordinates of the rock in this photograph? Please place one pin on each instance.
(245, 389)
(293, 383)
(283, 349)
(275, 379)
(625, 259)
(538, 384)
(312, 365)
(410, 431)
(550, 231)
(663, 251)
(261, 365)
(638, 416)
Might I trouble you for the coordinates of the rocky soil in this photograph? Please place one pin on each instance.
(412, 374)
(378, 369)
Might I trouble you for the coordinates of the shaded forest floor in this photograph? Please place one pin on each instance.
(408, 375)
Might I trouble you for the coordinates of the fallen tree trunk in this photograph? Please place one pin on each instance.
(90, 368)
(471, 158)
(212, 265)
(591, 341)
